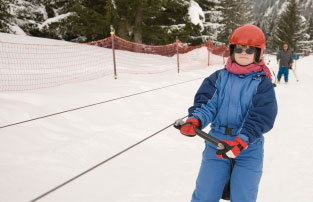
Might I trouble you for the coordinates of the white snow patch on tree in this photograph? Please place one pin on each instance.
(55, 19)
(196, 14)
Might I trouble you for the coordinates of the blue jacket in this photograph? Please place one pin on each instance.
(245, 103)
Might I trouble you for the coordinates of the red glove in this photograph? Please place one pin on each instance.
(188, 127)
(232, 148)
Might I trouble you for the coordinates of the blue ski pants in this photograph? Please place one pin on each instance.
(215, 172)
(285, 71)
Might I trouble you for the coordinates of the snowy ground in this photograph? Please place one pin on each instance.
(39, 155)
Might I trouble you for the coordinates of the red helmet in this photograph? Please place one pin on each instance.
(249, 35)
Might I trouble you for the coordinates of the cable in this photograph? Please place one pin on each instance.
(70, 110)
(99, 164)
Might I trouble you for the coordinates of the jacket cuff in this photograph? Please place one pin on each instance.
(244, 138)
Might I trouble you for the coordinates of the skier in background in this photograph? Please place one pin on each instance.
(285, 60)
(240, 103)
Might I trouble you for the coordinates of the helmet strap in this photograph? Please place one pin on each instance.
(231, 49)
(257, 55)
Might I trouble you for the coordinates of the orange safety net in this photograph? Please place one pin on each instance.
(50, 63)
(165, 50)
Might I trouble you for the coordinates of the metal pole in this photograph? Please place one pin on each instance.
(296, 62)
(177, 53)
(209, 55)
(113, 50)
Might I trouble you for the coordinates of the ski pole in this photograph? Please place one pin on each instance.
(178, 123)
(268, 64)
(294, 73)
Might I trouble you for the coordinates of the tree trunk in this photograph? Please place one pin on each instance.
(123, 30)
(138, 23)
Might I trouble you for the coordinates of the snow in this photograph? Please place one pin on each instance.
(55, 19)
(268, 11)
(114, 5)
(282, 8)
(172, 28)
(4, 37)
(17, 30)
(196, 14)
(308, 4)
(39, 155)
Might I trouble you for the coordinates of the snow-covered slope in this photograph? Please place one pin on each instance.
(39, 155)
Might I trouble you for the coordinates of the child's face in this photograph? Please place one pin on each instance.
(244, 55)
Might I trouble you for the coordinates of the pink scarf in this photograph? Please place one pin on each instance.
(235, 68)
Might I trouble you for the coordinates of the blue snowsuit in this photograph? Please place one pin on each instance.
(235, 105)
(285, 60)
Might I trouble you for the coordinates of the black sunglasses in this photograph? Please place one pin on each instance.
(248, 50)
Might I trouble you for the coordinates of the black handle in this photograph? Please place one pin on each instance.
(210, 138)
(178, 123)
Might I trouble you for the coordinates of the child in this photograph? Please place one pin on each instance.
(239, 102)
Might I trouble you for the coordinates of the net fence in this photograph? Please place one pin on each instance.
(27, 66)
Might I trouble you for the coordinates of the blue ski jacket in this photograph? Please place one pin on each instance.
(239, 104)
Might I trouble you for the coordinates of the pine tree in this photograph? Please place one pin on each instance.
(159, 27)
(212, 19)
(132, 16)
(175, 21)
(89, 20)
(246, 14)
(229, 19)
(155, 22)
(290, 27)
(142, 21)
(61, 29)
(111, 16)
(310, 33)
(267, 25)
(5, 16)
(234, 14)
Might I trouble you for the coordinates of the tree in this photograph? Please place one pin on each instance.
(290, 27)
(172, 21)
(154, 22)
(132, 16)
(246, 15)
(234, 14)
(267, 25)
(5, 16)
(142, 21)
(89, 20)
(229, 19)
(212, 16)
(310, 32)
